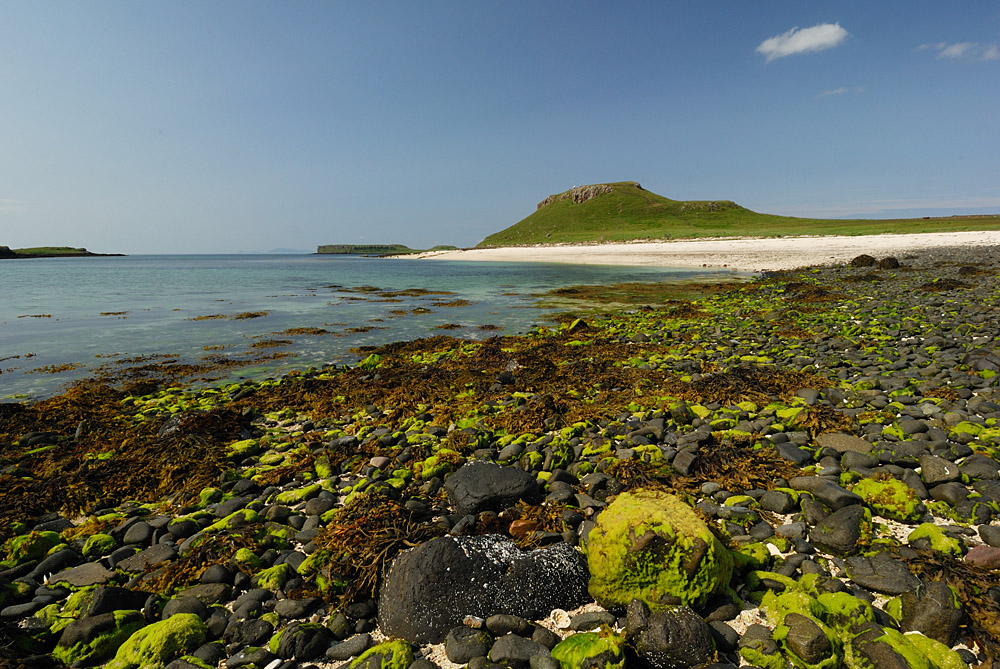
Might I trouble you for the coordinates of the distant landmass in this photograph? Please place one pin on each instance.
(625, 211)
(50, 252)
(375, 249)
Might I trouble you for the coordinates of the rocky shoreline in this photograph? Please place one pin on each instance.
(801, 471)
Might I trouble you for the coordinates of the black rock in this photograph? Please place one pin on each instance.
(185, 605)
(501, 624)
(464, 643)
(304, 642)
(431, 588)
(217, 573)
(297, 608)
(585, 622)
(515, 651)
(777, 502)
(109, 598)
(253, 632)
(484, 486)
(259, 657)
(840, 532)
(726, 638)
(931, 610)
(806, 639)
(54, 563)
(672, 637)
(825, 491)
(881, 574)
(352, 647)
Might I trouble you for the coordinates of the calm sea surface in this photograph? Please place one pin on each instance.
(82, 313)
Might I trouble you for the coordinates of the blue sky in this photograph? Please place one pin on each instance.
(196, 127)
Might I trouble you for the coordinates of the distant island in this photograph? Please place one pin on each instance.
(375, 249)
(625, 211)
(6, 253)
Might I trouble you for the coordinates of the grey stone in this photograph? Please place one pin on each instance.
(87, 574)
(349, 648)
(935, 470)
(934, 610)
(881, 574)
(806, 639)
(484, 486)
(843, 443)
(826, 491)
(150, 557)
(840, 532)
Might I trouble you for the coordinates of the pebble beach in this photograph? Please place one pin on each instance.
(819, 447)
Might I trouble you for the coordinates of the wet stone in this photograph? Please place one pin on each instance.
(843, 443)
(881, 574)
(935, 470)
(464, 643)
(839, 532)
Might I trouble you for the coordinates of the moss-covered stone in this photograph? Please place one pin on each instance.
(103, 638)
(590, 650)
(929, 535)
(274, 578)
(99, 545)
(153, 646)
(396, 654)
(31, 546)
(939, 655)
(890, 499)
(650, 545)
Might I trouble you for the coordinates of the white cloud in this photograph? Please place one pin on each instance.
(843, 90)
(968, 52)
(804, 40)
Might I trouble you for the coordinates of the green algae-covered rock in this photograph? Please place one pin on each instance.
(929, 535)
(650, 545)
(99, 545)
(890, 499)
(396, 654)
(96, 638)
(940, 655)
(590, 650)
(153, 646)
(31, 546)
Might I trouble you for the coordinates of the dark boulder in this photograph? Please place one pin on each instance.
(484, 486)
(863, 260)
(933, 610)
(430, 589)
(841, 531)
(672, 637)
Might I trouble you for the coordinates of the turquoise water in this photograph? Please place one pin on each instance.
(89, 312)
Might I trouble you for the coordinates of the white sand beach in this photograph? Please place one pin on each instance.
(745, 254)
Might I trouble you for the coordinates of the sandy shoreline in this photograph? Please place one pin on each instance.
(747, 254)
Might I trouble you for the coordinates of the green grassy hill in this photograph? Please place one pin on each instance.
(625, 211)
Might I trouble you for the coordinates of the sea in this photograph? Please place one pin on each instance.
(65, 319)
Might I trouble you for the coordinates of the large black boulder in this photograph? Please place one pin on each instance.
(484, 486)
(430, 589)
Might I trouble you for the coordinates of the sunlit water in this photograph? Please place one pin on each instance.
(88, 312)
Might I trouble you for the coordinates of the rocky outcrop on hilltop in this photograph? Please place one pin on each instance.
(581, 194)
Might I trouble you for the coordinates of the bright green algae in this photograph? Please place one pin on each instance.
(652, 546)
(153, 646)
(590, 650)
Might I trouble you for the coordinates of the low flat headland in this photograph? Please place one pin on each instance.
(6, 253)
(820, 448)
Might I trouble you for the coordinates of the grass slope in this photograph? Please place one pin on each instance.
(629, 212)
